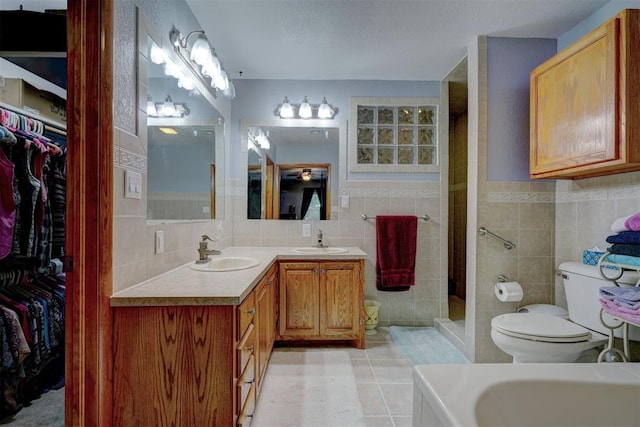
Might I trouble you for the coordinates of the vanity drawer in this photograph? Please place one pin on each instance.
(246, 414)
(245, 382)
(245, 349)
(246, 313)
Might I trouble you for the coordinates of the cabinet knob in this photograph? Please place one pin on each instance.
(251, 311)
(248, 349)
(315, 270)
(323, 271)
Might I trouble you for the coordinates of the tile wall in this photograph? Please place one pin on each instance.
(418, 306)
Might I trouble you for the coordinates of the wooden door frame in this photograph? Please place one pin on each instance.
(88, 323)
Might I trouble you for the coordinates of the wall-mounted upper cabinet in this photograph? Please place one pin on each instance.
(585, 114)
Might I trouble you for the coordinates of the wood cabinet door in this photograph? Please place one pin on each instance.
(299, 299)
(272, 302)
(174, 365)
(262, 321)
(574, 112)
(340, 302)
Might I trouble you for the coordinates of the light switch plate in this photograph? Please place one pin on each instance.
(159, 235)
(344, 201)
(306, 230)
(132, 185)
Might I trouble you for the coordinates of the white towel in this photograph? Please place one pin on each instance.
(617, 226)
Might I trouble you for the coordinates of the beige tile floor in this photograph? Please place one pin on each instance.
(384, 380)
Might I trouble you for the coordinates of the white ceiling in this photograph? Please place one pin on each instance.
(370, 39)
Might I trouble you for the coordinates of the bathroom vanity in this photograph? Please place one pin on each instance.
(321, 300)
(192, 347)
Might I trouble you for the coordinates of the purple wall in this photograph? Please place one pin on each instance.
(509, 63)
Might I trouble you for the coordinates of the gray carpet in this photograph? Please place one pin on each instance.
(425, 346)
(47, 410)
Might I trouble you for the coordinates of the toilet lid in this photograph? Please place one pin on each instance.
(539, 327)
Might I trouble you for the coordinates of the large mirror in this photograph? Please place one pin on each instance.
(185, 150)
(293, 169)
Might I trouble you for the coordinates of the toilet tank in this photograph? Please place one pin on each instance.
(582, 285)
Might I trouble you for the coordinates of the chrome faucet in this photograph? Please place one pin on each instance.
(204, 251)
(319, 243)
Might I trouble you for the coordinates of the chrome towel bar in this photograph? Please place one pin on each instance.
(424, 217)
(507, 244)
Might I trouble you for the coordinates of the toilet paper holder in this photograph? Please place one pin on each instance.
(503, 278)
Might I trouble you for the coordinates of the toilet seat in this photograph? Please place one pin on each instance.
(539, 327)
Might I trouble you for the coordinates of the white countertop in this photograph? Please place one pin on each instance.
(185, 286)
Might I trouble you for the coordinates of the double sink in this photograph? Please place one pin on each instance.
(234, 263)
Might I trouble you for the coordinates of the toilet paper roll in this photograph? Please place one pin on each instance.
(509, 291)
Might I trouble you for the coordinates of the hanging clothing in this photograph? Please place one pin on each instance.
(7, 197)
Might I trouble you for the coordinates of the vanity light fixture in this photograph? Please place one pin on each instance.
(156, 54)
(151, 107)
(323, 111)
(203, 62)
(258, 136)
(166, 109)
(305, 109)
(286, 109)
(306, 174)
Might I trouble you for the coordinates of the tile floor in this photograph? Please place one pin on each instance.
(384, 380)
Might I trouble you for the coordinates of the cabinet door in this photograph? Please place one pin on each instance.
(573, 100)
(340, 301)
(298, 299)
(272, 303)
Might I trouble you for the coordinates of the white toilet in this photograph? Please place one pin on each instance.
(544, 333)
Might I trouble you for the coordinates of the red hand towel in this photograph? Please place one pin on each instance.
(395, 252)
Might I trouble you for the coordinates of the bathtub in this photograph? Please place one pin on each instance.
(535, 394)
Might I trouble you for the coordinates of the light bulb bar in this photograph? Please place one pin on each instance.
(200, 60)
(305, 110)
(166, 109)
(259, 137)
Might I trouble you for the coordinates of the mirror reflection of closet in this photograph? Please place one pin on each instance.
(185, 154)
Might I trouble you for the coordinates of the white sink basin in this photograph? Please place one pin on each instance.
(320, 251)
(226, 263)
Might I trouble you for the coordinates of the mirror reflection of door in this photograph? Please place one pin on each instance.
(268, 189)
(303, 192)
(212, 181)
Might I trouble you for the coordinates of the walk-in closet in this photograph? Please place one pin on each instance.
(33, 176)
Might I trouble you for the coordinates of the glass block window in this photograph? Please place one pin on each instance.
(396, 134)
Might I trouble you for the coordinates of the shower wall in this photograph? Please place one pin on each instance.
(458, 204)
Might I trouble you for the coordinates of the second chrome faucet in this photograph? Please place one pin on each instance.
(319, 240)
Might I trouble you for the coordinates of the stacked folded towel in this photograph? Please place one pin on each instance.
(626, 223)
(625, 244)
(623, 303)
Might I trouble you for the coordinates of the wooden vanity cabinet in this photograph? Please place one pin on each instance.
(193, 365)
(321, 300)
(266, 303)
(245, 372)
(174, 365)
(585, 114)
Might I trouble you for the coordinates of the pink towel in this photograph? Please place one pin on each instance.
(632, 223)
(621, 313)
(396, 252)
